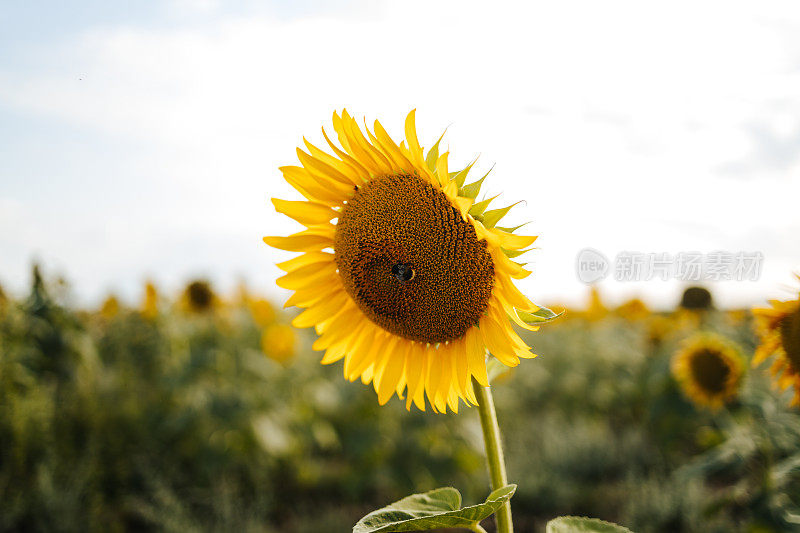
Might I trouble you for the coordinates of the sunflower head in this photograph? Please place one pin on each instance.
(149, 307)
(696, 299)
(262, 312)
(709, 370)
(278, 342)
(404, 275)
(778, 328)
(110, 307)
(659, 327)
(633, 310)
(198, 297)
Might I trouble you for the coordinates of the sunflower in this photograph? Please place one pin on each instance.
(262, 311)
(633, 310)
(696, 299)
(149, 308)
(709, 370)
(278, 342)
(779, 329)
(596, 310)
(413, 281)
(110, 307)
(198, 297)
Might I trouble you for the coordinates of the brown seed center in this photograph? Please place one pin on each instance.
(710, 370)
(410, 262)
(790, 337)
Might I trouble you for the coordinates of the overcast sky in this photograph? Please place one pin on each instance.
(142, 139)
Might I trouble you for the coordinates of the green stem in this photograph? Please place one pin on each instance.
(494, 453)
(477, 528)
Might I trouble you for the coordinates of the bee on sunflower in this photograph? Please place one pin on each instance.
(414, 280)
(778, 327)
(709, 370)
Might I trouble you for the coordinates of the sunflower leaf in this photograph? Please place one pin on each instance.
(439, 508)
(433, 154)
(579, 524)
(514, 253)
(511, 230)
(539, 316)
(461, 176)
(472, 190)
(492, 217)
(479, 207)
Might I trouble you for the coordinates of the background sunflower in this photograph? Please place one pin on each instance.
(709, 370)
(778, 327)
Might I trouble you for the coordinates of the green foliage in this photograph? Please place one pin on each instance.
(180, 423)
(579, 524)
(433, 509)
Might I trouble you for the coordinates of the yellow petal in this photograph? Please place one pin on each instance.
(413, 143)
(357, 167)
(351, 174)
(301, 180)
(361, 346)
(476, 356)
(308, 276)
(325, 174)
(391, 375)
(497, 342)
(311, 295)
(320, 311)
(300, 242)
(305, 259)
(305, 212)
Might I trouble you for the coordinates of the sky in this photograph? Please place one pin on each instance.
(141, 140)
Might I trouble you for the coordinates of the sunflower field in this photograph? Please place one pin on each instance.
(208, 412)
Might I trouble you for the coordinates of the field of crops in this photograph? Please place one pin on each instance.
(210, 413)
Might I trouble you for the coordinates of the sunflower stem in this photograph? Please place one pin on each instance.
(494, 452)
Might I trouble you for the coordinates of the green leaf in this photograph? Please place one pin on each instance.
(492, 217)
(578, 524)
(515, 253)
(461, 176)
(439, 508)
(511, 230)
(472, 190)
(480, 207)
(433, 154)
(543, 314)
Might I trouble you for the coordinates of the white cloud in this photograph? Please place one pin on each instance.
(615, 121)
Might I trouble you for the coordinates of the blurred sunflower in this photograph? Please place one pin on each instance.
(278, 342)
(633, 310)
(110, 307)
(596, 310)
(149, 308)
(779, 330)
(419, 281)
(709, 370)
(696, 299)
(659, 327)
(198, 297)
(262, 311)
